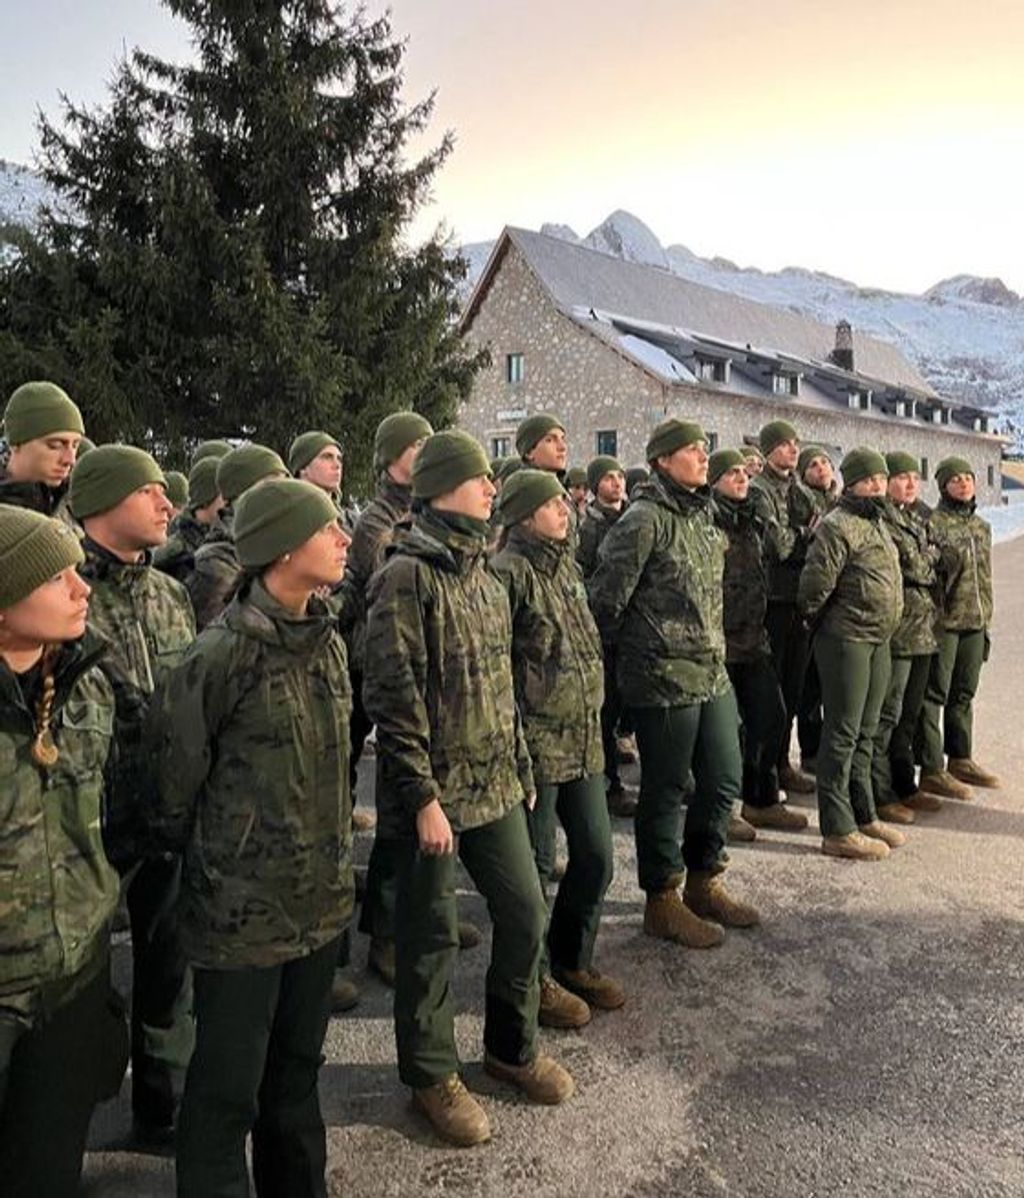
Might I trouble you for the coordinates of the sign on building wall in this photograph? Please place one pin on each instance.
(512, 415)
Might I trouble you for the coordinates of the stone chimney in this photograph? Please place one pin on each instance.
(842, 355)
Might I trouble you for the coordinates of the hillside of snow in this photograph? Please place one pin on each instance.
(965, 334)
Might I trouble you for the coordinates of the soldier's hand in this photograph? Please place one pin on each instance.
(531, 801)
(434, 830)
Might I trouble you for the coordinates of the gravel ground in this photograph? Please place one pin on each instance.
(866, 1040)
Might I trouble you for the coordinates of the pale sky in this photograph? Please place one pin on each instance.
(881, 140)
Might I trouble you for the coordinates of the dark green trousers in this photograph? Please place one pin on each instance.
(500, 861)
(580, 807)
(888, 719)
(763, 718)
(790, 644)
(162, 1027)
(854, 680)
(673, 741)
(52, 1075)
(947, 717)
(902, 757)
(809, 715)
(377, 917)
(259, 1039)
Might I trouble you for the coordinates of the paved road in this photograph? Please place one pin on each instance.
(869, 1039)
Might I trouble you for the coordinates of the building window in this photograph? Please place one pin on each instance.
(712, 442)
(991, 476)
(514, 368)
(501, 447)
(711, 370)
(901, 407)
(786, 384)
(924, 469)
(860, 401)
(608, 443)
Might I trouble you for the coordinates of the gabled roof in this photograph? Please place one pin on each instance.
(577, 277)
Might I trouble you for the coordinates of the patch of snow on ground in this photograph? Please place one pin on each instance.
(1007, 520)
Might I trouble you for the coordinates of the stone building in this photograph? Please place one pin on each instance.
(614, 347)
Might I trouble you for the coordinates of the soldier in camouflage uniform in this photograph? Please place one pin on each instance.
(540, 440)
(63, 1041)
(747, 653)
(913, 645)
(117, 493)
(191, 528)
(607, 483)
(215, 449)
(176, 492)
(851, 592)
(43, 427)
(554, 638)
(216, 571)
(454, 773)
(577, 486)
(316, 458)
(657, 596)
(753, 460)
(784, 506)
(814, 469)
(635, 475)
(964, 540)
(251, 754)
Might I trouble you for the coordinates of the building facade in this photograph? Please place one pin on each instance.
(615, 347)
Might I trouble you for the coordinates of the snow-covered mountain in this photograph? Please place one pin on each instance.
(965, 334)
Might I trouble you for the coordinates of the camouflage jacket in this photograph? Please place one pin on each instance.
(146, 620)
(786, 509)
(657, 597)
(438, 682)
(57, 891)
(216, 573)
(918, 556)
(250, 754)
(822, 501)
(48, 501)
(374, 530)
(745, 582)
(851, 586)
(177, 555)
(556, 657)
(597, 519)
(965, 566)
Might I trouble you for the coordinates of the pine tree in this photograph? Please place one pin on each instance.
(227, 255)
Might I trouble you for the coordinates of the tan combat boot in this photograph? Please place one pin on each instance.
(594, 988)
(942, 783)
(705, 894)
(895, 813)
(469, 934)
(381, 959)
(794, 782)
(855, 846)
(454, 1113)
(777, 816)
(966, 770)
(543, 1080)
(559, 1008)
(362, 820)
(344, 993)
(879, 831)
(740, 830)
(620, 802)
(919, 801)
(667, 917)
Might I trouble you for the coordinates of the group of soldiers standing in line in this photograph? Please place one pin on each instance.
(502, 633)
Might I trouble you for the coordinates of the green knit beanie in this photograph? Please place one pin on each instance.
(600, 466)
(446, 461)
(774, 433)
(673, 434)
(306, 446)
(211, 449)
(636, 475)
(722, 460)
(576, 476)
(509, 467)
(902, 462)
(33, 548)
(861, 463)
(533, 428)
(84, 446)
(751, 453)
(238, 470)
(176, 486)
(950, 467)
(107, 475)
(278, 517)
(525, 492)
(40, 410)
(395, 434)
(808, 454)
(202, 482)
